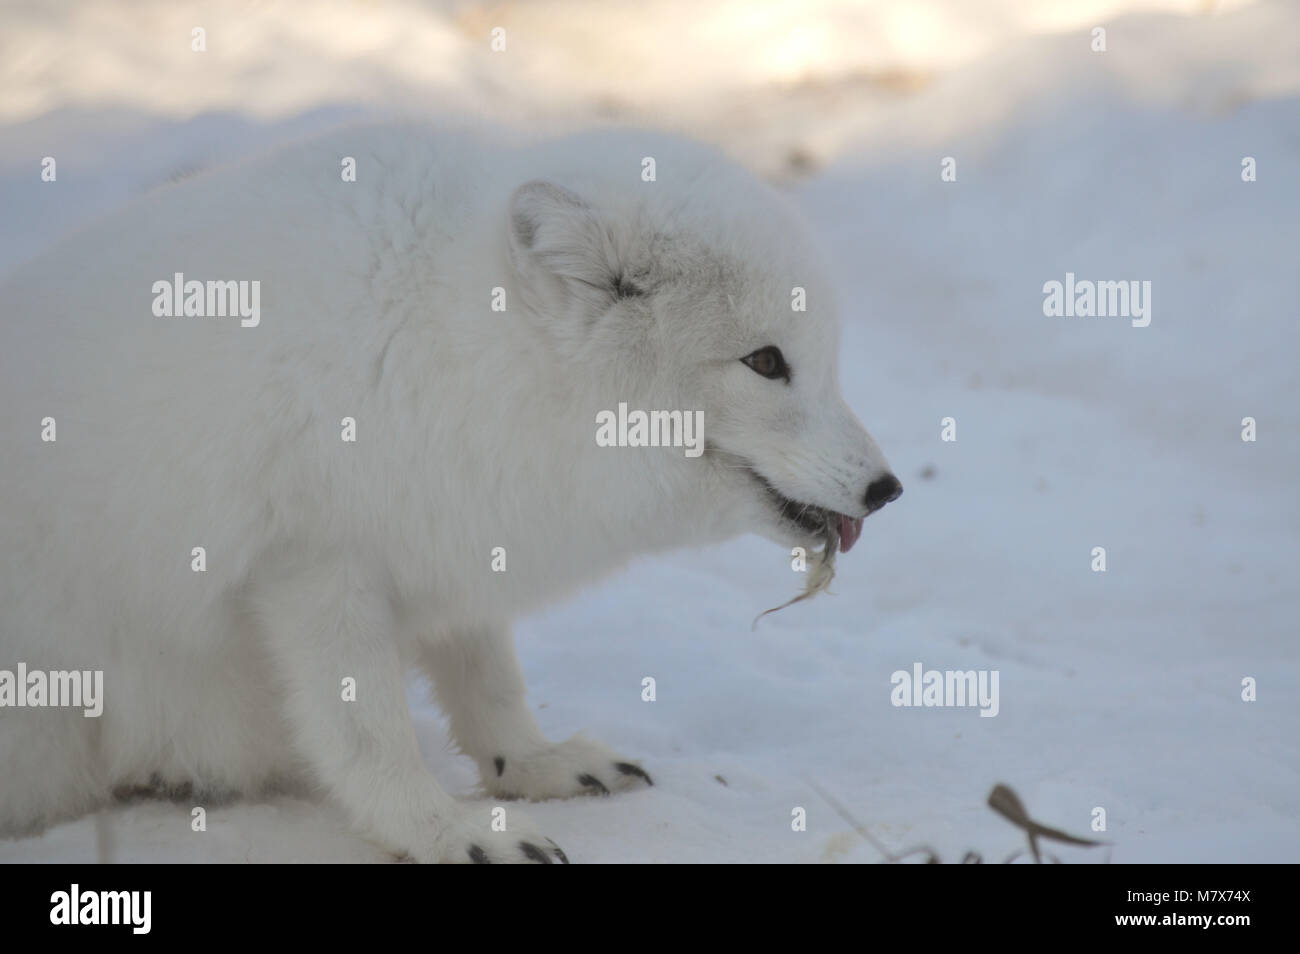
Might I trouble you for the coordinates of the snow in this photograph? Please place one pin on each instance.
(1120, 690)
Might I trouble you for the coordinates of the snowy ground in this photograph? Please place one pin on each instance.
(1120, 690)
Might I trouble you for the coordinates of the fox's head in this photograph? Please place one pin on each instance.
(698, 291)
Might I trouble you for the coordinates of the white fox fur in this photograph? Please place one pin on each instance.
(328, 559)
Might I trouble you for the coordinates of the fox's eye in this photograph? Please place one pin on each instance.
(768, 362)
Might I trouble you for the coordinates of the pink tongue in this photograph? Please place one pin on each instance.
(850, 530)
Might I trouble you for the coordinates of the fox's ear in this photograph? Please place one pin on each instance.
(562, 250)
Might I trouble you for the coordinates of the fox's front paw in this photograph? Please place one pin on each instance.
(476, 838)
(577, 766)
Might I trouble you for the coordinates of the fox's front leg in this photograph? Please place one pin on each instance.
(330, 630)
(480, 686)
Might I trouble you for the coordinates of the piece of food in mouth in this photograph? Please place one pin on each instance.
(814, 519)
(822, 570)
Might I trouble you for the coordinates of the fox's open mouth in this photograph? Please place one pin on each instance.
(810, 517)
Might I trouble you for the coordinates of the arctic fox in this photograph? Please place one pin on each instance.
(374, 446)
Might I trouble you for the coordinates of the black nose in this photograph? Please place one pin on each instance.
(882, 490)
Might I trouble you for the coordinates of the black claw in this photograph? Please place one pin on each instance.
(592, 782)
(564, 859)
(627, 768)
(500, 764)
(478, 855)
(533, 853)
